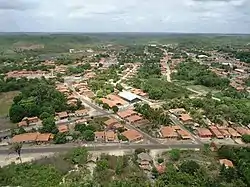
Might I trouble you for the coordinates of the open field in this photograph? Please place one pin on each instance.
(6, 101)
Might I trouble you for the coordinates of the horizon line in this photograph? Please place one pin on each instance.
(120, 32)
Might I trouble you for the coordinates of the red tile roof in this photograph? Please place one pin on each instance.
(110, 122)
(44, 137)
(168, 132)
(26, 137)
(204, 132)
(184, 134)
(226, 162)
(216, 132)
(63, 128)
(132, 135)
(185, 117)
(126, 113)
(134, 118)
(242, 130)
(62, 115)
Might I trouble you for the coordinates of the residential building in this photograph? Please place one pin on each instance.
(204, 133)
(225, 132)
(144, 160)
(81, 121)
(116, 99)
(44, 138)
(177, 111)
(169, 133)
(233, 133)
(186, 118)
(216, 132)
(81, 113)
(126, 113)
(134, 119)
(62, 115)
(110, 136)
(161, 168)
(184, 135)
(108, 102)
(100, 136)
(63, 128)
(111, 122)
(22, 124)
(227, 163)
(132, 135)
(33, 120)
(25, 138)
(242, 130)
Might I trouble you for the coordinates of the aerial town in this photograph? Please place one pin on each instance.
(114, 97)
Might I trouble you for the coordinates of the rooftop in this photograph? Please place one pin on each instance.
(226, 162)
(126, 113)
(63, 128)
(185, 117)
(134, 118)
(204, 132)
(26, 137)
(128, 95)
(168, 132)
(132, 135)
(111, 122)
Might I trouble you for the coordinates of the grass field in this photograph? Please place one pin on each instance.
(5, 102)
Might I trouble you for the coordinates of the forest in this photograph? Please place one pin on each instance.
(36, 99)
(200, 74)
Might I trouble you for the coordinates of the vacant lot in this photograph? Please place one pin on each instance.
(6, 101)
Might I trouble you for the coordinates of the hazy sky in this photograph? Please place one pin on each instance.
(217, 16)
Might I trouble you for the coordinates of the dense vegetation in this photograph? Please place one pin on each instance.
(229, 109)
(123, 171)
(159, 89)
(156, 116)
(36, 99)
(12, 84)
(193, 71)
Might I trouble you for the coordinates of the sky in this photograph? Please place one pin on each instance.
(185, 16)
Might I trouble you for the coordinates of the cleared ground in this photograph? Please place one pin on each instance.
(6, 101)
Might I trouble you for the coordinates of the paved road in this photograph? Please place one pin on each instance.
(54, 149)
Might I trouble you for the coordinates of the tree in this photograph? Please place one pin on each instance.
(49, 125)
(16, 113)
(80, 127)
(140, 150)
(44, 115)
(119, 87)
(17, 147)
(101, 165)
(190, 167)
(89, 135)
(21, 130)
(115, 109)
(245, 138)
(79, 103)
(160, 160)
(106, 106)
(77, 156)
(175, 154)
(60, 138)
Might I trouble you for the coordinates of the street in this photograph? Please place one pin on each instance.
(64, 148)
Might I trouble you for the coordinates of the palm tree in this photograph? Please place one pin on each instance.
(16, 147)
